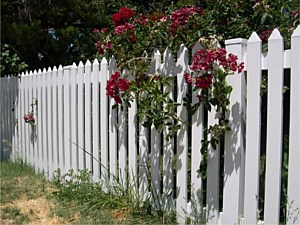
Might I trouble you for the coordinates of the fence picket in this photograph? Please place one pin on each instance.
(234, 158)
(54, 120)
(182, 139)
(67, 120)
(168, 146)
(27, 110)
(44, 122)
(253, 131)
(274, 129)
(143, 158)
(73, 119)
(96, 122)
(293, 194)
(80, 121)
(197, 136)
(104, 120)
(213, 174)
(87, 116)
(39, 120)
(34, 99)
(112, 122)
(49, 121)
(155, 145)
(60, 113)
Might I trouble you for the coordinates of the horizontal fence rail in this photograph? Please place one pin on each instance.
(76, 128)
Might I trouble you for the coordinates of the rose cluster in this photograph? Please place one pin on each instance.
(29, 118)
(129, 29)
(205, 62)
(180, 18)
(122, 16)
(116, 86)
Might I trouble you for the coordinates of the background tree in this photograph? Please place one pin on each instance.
(46, 33)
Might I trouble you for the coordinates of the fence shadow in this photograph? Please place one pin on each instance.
(8, 120)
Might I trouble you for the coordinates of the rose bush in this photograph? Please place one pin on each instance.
(133, 37)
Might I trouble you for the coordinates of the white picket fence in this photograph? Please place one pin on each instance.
(77, 129)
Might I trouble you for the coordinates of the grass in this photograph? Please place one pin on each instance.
(27, 198)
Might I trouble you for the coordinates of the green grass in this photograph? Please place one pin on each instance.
(72, 199)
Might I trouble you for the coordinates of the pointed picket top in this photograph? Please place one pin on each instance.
(157, 57)
(34, 72)
(22, 74)
(30, 72)
(44, 70)
(26, 74)
(275, 35)
(103, 61)
(169, 62)
(54, 69)
(80, 64)
(182, 59)
(96, 62)
(196, 47)
(296, 32)
(254, 38)
(157, 53)
(88, 63)
(60, 67)
(145, 54)
(112, 65)
(74, 65)
(39, 71)
(49, 69)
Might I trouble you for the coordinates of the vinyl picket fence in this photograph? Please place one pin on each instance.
(76, 128)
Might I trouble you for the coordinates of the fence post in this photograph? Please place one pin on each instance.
(233, 191)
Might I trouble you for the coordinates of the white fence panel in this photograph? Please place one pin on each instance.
(69, 131)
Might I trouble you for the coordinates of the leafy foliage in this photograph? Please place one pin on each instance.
(10, 62)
